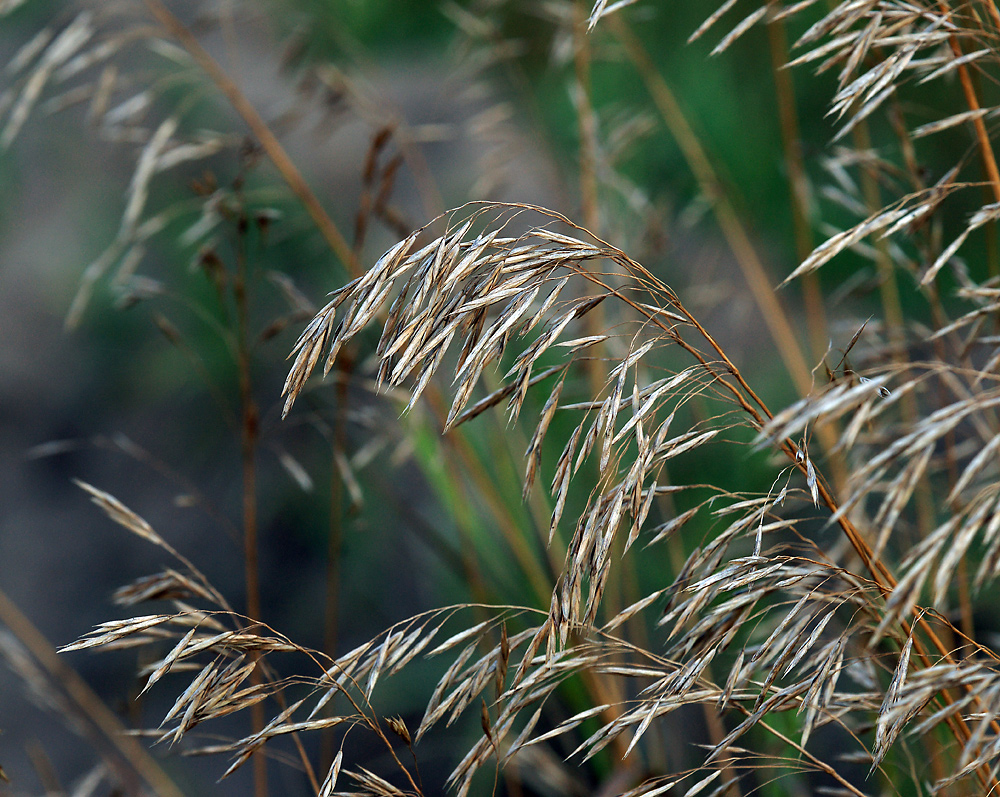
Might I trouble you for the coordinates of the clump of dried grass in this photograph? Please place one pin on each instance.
(844, 604)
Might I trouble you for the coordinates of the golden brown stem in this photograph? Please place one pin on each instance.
(732, 228)
(335, 536)
(261, 131)
(589, 206)
(128, 757)
(799, 189)
(982, 136)
(586, 121)
(249, 434)
(798, 184)
(994, 14)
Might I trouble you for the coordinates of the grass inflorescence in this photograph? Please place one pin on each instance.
(821, 633)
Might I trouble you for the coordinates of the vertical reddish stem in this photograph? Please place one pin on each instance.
(249, 437)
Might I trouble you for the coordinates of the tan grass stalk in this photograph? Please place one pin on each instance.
(587, 131)
(261, 131)
(249, 435)
(804, 244)
(982, 135)
(335, 536)
(797, 182)
(750, 264)
(131, 754)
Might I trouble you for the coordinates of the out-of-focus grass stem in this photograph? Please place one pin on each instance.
(798, 183)
(972, 100)
(586, 124)
(267, 139)
(760, 284)
(250, 435)
(799, 193)
(126, 749)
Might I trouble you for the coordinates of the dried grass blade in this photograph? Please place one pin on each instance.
(745, 24)
(949, 122)
(121, 514)
(72, 38)
(712, 19)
